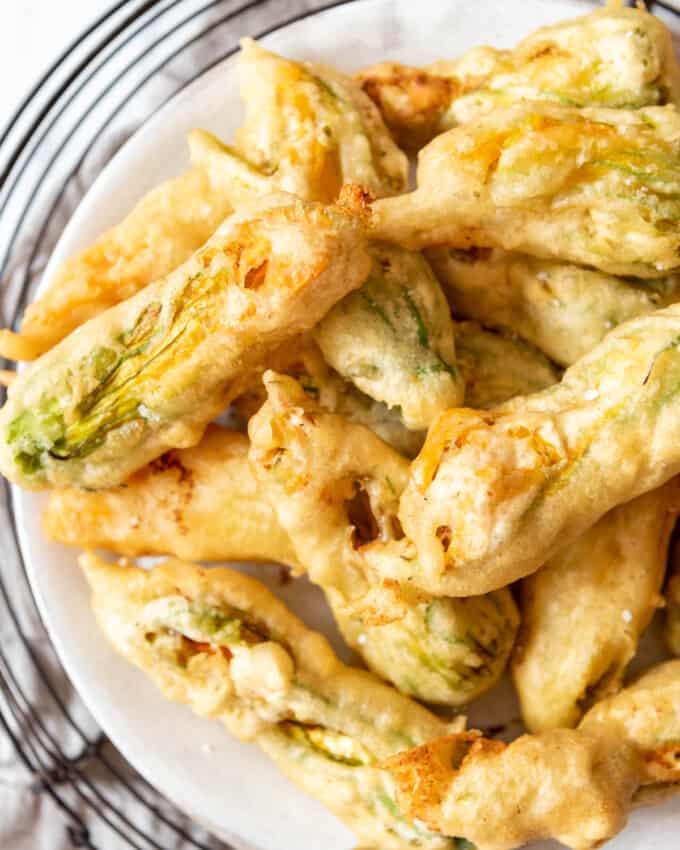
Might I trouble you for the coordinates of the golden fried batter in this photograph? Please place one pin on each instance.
(583, 613)
(159, 234)
(204, 503)
(492, 496)
(414, 101)
(394, 338)
(309, 130)
(576, 786)
(149, 374)
(302, 359)
(563, 309)
(220, 642)
(201, 503)
(312, 129)
(597, 187)
(315, 464)
(497, 368)
(614, 57)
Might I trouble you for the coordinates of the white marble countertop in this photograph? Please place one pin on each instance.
(32, 34)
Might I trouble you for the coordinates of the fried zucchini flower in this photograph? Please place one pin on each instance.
(221, 643)
(159, 234)
(614, 57)
(201, 503)
(672, 622)
(498, 367)
(584, 612)
(563, 309)
(574, 785)
(315, 464)
(149, 374)
(310, 129)
(597, 187)
(394, 338)
(494, 495)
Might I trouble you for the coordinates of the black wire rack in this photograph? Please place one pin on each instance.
(104, 85)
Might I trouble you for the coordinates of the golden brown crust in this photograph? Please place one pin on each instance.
(550, 181)
(493, 495)
(310, 129)
(313, 463)
(412, 101)
(220, 642)
(584, 612)
(148, 375)
(614, 57)
(201, 503)
(576, 786)
(162, 231)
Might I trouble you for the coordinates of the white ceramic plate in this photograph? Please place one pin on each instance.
(228, 786)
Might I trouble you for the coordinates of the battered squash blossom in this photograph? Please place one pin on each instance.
(221, 643)
(149, 374)
(598, 187)
(492, 496)
(394, 338)
(614, 57)
(309, 129)
(561, 308)
(625, 752)
(584, 612)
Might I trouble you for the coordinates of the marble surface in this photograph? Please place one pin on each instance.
(51, 25)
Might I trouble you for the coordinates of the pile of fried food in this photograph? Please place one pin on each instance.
(445, 391)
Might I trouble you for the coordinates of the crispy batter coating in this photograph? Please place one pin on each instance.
(149, 374)
(597, 187)
(493, 496)
(413, 101)
(312, 129)
(309, 130)
(576, 786)
(220, 642)
(201, 503)
(161, 232)
(204, 503)
(583, 613)
(672, 623)
(563, 784)
(315, 464)
(647, 713)
(394, 338)
(302, 359)
(498, 367)
(614, 57)
(563, 309)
